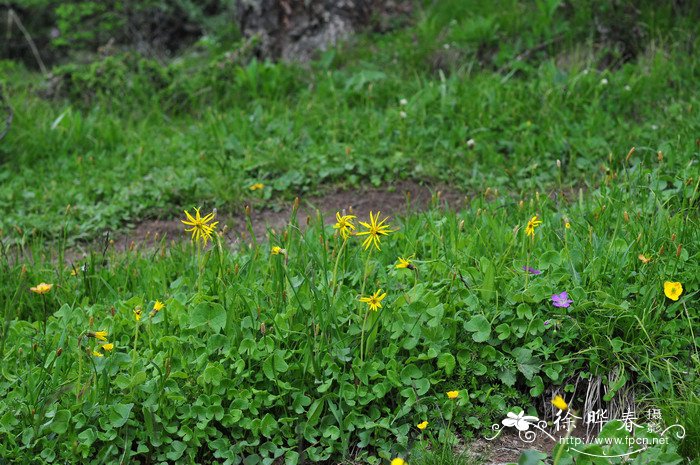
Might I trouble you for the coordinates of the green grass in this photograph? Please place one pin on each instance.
(263, 358)
(258, 356)
(137, 139)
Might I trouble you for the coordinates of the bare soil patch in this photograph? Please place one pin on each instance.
(398, 199)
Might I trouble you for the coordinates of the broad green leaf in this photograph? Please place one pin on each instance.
(60, 422)
(532, 457)
(208, 314)
(119, 414)
(446, 361)
(480, 326)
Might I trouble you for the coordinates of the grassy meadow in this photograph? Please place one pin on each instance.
(329, 343)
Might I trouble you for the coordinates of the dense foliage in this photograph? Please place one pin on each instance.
(267, 352)
(274, 349)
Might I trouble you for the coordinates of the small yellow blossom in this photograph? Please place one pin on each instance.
(344, 225)
(531, 225)
(202, 227)
(108, 347)
(374, 302)
(277, 250)
(560, 403)
(398, 461)
(673, 290)
(567, 225)
(137, 313)
(452, 394)
(42, 288)
(405, 263)
(421, 426)
(257, 186)
(158, 306)
(97, 354)
(644, 259)
(375, 229)
(99, 335)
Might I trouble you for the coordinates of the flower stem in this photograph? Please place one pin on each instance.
(335, 268)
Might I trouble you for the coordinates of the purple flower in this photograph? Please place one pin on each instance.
(531, 270)
(561, 300)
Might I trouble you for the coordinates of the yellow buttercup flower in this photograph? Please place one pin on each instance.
(421, 426)
(374, 302)
(202, 227)
(277, 250)
(344, 224)
(405, 263)
(531, 225)
(42, 288)
(97, 354)
(452, 394)
(100, 335)
(109, 346)
(398, 461)
(137, 313)
(375, 229)
(673, 290)
(257, 186)
(560, 403)
(567, 225)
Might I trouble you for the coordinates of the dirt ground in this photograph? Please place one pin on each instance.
(402, 198)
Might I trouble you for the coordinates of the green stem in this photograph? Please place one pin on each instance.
(362, 336)
(335, 268)
(43, 300)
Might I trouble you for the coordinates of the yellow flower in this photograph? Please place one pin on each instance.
(421, 426)
(158, 306)
(375, 229)
(452, 394)
(531, 225)
(100, 335)
(673, 290)
(257, 186)
(560, 403)
(405, 263)
(277, 250)
(567, 225)
(398, 461)
(137, 313)
(97, 354)
(374, 301)
(42, 288)
(344, 224)
(202, 228)
(644, 258)
(109, 346)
